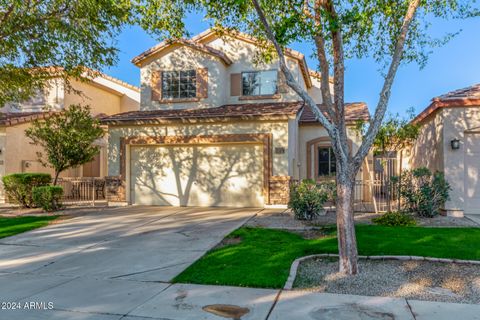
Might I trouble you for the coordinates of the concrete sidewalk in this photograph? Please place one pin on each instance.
(126, 299)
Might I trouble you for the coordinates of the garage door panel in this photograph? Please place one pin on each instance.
(216, 175)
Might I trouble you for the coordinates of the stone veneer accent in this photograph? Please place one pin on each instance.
(279, 188)
(115, 189)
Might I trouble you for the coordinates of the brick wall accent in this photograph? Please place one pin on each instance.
(115, 189)
(279, 189)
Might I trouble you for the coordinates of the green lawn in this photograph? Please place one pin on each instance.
(263, 257)
(12, 226)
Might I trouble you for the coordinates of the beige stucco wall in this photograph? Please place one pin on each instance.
(428, 149)
(184, 58)
(99, 100)
(103, 94)
(18, 150)
(434, 151)
(315, 91)
(310, 132)
(279, 131)
(456, 121)
(50, 96)
(242, 54)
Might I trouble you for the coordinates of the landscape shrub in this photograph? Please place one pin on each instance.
(330, 189)
(395, 219)
(48, 197)
(307, 199)
(19, 186)
(423, 192)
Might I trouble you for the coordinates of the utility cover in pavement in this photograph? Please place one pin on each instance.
(226, 310)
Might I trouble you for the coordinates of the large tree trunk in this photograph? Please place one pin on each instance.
(347, 243)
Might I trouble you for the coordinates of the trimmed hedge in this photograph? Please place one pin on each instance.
(395, 219)
(48, 197)
(19, 186)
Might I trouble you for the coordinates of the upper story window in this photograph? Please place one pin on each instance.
(179, 84)
(326, 161)
(259, 83)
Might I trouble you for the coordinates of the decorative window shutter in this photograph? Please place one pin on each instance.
(235, 84)
(202, 83)
(282, 86)
(156, 85)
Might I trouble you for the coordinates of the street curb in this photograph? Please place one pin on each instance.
(294, 267)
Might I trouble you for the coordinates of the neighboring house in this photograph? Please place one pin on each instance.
(105, 95)
(216, 129)
(450, 142)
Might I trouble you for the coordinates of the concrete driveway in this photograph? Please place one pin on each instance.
(111, 261)
(117, 264)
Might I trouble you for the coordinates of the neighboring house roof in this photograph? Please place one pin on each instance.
(354, 111)
(117, 81)
(11, 119)
(112, 84)
(270, 111)
(466, 97)
(209, 33)
(189, 43)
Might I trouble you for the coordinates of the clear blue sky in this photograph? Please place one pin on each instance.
(453, 66)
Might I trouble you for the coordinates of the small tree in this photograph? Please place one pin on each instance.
(68, 34)
(389, 31)
(394, 135)
(67, 138)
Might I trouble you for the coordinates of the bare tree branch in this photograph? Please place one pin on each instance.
(331, 129)
(339, 81)
(319, 40)
(7, 13)
(387, 86)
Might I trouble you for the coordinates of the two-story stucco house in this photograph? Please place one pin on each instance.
(450, 142)
(105, 96)
(216, 129)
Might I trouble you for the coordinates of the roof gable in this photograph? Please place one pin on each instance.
(163, 46)
(211, 34)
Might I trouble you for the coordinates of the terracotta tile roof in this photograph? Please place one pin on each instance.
(11, 119)
(353, 111)
(472, 92)
(246, 111)
(189, 43)
(466, 97)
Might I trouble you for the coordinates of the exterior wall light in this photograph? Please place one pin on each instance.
(455, 143)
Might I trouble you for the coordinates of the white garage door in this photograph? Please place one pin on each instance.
(197, 175)
(472, 173)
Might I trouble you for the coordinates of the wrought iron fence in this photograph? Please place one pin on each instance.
(375, 196)
(83, 191)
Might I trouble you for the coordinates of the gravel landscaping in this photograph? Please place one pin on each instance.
(285, 220)
(421, 280)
